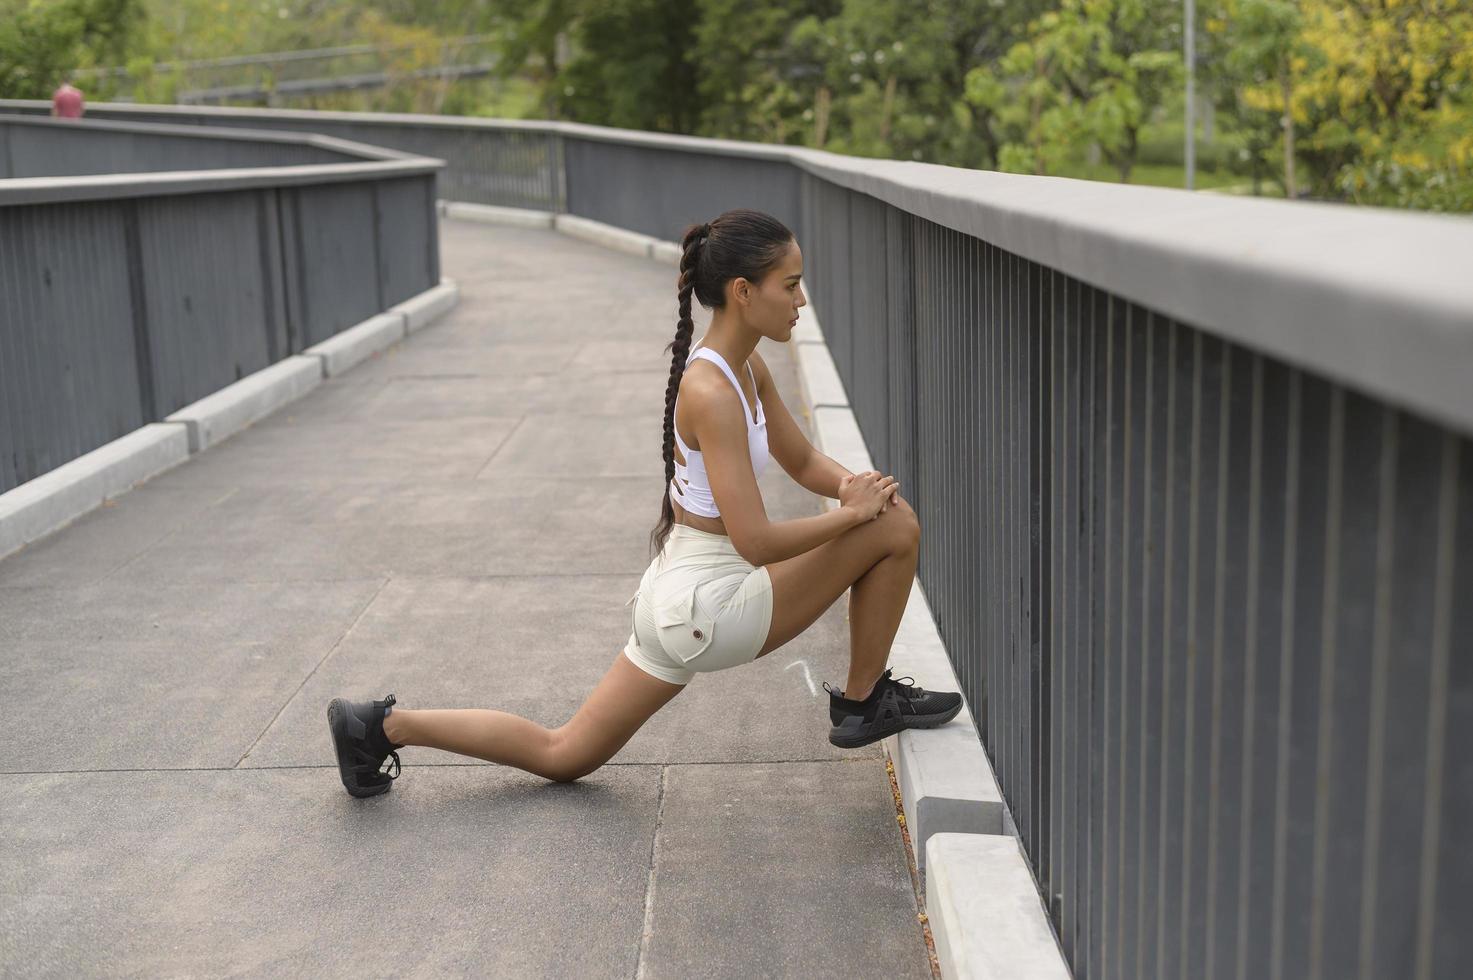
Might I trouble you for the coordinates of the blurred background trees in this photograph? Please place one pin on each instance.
(1367, 101)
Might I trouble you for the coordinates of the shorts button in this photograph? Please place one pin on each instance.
(696, 633)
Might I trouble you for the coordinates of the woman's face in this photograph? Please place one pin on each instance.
(772, 305)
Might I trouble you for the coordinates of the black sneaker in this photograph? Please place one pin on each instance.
(890, 707)
(358, 737)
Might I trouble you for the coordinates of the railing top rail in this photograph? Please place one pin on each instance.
(1377, 299)
(365, 162)
(348, 148)
(45, 190)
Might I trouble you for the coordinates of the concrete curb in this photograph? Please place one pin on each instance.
(358, 343)
(818, 376)
(606, 235)
(215, 418)
(424, 309)
(55, 499)
(494, 214)
(620, 239)
(986, 917)
(946, 780)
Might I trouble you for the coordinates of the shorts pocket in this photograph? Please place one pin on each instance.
(685, 630)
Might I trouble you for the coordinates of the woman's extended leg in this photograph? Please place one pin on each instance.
(878, 559)
(621, 703)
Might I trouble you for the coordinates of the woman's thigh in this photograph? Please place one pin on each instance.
(804, 586)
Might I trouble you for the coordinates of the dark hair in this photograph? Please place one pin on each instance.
(740, 242)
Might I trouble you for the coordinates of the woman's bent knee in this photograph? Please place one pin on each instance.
(902, 523)
(565, 762)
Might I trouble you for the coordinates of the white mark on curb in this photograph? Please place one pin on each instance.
(806, 675)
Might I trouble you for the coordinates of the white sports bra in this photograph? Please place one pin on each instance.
(691, 488)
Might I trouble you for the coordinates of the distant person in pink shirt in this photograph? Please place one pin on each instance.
(66, 102)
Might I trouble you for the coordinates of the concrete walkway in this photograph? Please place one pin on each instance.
(459, 521)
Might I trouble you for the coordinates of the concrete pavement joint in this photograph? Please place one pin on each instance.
(331, 650)
(499, 447)
(649, 892)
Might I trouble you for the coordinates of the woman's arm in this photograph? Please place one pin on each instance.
(821, 475)
(721, 430)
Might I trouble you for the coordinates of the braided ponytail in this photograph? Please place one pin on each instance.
(740, 242)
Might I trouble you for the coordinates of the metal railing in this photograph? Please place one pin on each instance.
(1197, 492)
(127, 295)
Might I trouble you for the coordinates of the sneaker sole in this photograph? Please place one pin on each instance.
(337, 723)
(874, 735)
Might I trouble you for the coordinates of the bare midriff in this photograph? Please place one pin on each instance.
(713, 524)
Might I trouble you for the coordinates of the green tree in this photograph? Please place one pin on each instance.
(41, 41)
(757, 67)
(897, 73)
(535, 44)
(631, 66)
(1255, 51)
(1386, 108)
(1090, 72)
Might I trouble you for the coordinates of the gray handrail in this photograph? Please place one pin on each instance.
(1374, 298)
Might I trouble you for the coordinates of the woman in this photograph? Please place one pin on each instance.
(726, 585)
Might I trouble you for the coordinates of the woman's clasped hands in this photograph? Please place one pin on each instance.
(867, 494)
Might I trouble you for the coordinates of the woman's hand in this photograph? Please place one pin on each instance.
(867, 494)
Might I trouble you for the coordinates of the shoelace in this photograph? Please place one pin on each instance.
(388, 703)
(381, 766)
(910, 690)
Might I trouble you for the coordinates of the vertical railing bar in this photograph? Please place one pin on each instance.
(994, 492)
(1286, 677)
(1008, 736)
(1121, 609)
(1022, 547)
(997, 602)
(1250, 667)
(1051, 601)
(1005, 538)
(1189, 757)
(1039, 560)
(1021, 640)
(1380, 657)
(1069, 449)
(1447, 515)
(1089, 492)
(972, 464)
(1108, 943)
(1145, 643)
(1173, 331)
(1037, 662)
(1219, 582)
(1329, 618)
(138, 313)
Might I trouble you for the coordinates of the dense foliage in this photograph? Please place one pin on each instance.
(1358, 100)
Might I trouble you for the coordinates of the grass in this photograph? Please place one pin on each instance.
(1161, 175)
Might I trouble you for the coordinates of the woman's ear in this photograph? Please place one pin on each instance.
(741, 290)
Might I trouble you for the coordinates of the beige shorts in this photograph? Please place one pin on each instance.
(700, 607)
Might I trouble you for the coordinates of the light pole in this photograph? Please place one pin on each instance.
(1190, 41)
